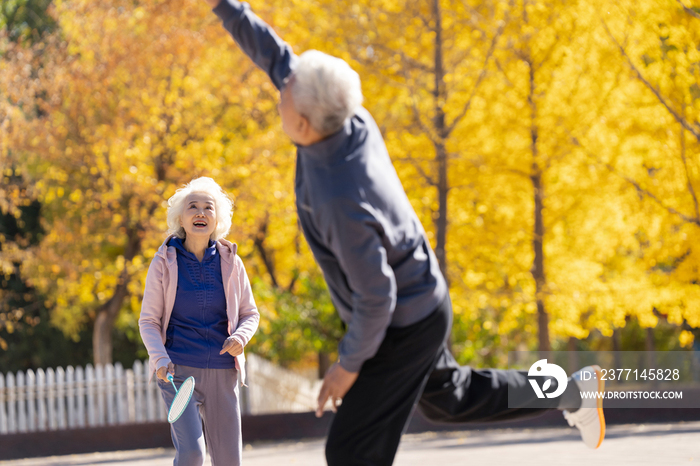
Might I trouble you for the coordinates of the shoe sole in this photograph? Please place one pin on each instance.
(599, 402)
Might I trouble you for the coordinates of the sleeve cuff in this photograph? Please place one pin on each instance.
(350, 366)
(162, 362)
(238, 339)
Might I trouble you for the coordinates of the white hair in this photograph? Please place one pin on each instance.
(325, 90)
(223, 206)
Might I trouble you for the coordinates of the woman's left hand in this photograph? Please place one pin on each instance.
(232, 347)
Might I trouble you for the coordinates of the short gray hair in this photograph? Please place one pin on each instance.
(325, 90)
(222, 203)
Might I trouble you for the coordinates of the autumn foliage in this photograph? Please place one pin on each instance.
(551, 149)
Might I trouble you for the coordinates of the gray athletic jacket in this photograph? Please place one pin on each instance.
(362, 230)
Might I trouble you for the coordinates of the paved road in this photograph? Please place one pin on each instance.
(659, 444)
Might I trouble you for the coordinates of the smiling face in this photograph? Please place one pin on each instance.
(199, 216)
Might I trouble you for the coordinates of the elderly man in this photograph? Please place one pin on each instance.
(380, 269)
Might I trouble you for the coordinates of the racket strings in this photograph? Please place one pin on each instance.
(181, 400)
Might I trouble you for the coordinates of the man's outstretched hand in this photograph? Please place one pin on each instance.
(336, 384)
(213, 3)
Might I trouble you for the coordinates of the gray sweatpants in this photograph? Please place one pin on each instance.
(214, 404)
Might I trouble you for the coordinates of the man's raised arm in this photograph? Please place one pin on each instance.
(256, 38)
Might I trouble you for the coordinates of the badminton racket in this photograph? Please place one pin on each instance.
(182, 398)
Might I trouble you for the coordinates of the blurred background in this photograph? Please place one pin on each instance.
(550, 148)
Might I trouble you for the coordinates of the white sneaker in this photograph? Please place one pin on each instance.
(589, 417)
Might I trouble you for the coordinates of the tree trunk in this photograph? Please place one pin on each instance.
(441, 156)
(108, 312)
(617, 347)
(651, 357)
(650, 347)
(102, 339)
(538, 236)
(616, 340)
(441, 221)
(538, 267)
(259, 243)
(104, 323)
(573, 355)
(324, 363)
(440, 151)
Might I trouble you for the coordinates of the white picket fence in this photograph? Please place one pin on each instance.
(74, 398)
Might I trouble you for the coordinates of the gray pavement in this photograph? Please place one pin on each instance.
(654, 444)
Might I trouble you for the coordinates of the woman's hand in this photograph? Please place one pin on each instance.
(162, 372)
(232, 347)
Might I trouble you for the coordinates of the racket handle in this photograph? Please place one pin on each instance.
(170, 377)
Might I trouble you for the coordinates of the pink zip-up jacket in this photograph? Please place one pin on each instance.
(159, 299)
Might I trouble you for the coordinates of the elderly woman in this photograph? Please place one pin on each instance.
(198, 314)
